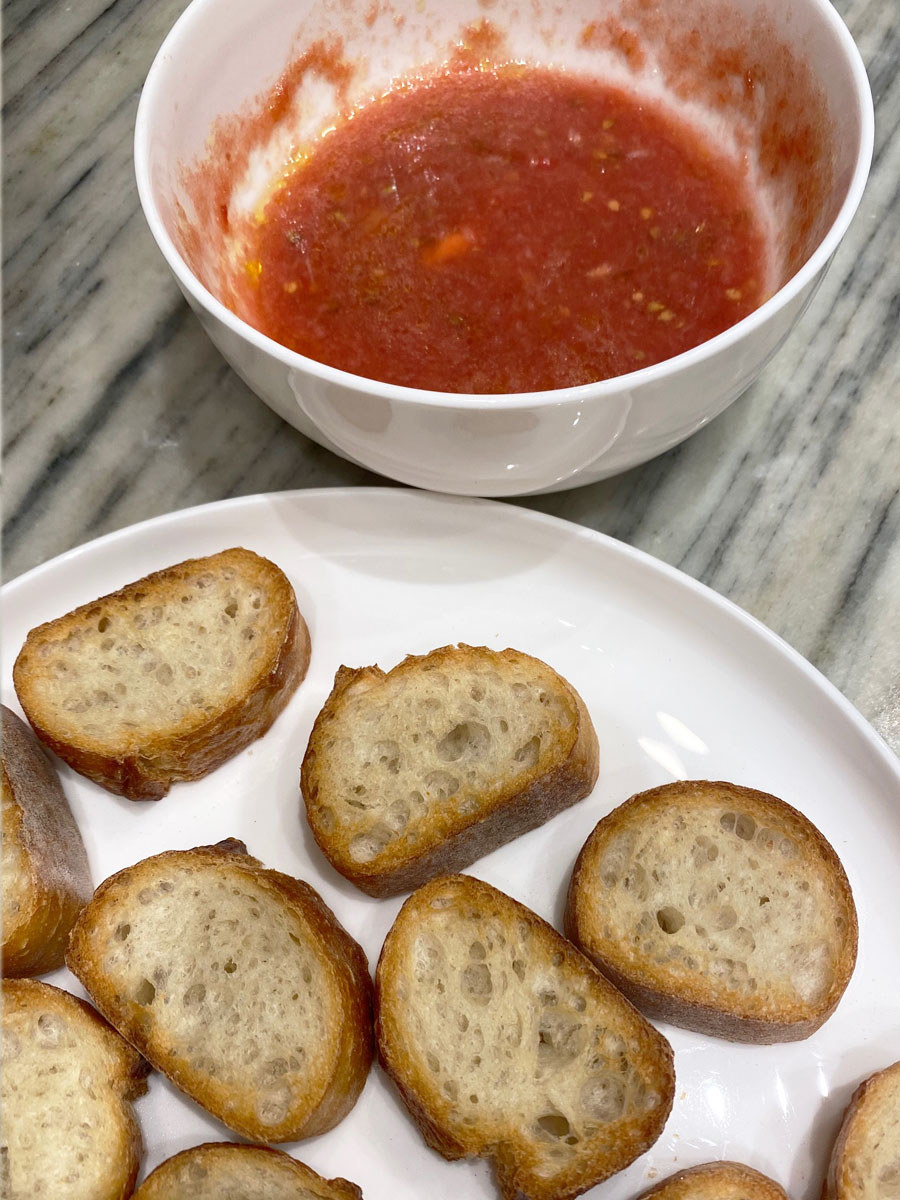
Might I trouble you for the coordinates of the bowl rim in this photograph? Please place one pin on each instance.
(599, 389)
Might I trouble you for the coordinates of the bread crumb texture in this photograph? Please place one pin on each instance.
(228, 984)
(721, 895)
(399, 762)
(866, 1160)
(175, 648)
(716, 1181)
(227, 1171)
(508, 1044)
(68, 1129)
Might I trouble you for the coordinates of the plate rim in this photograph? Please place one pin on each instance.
(585, 533)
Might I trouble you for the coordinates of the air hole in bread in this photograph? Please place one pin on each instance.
(745, 827)
(504, 726)
(811, 971)
(230, 966)
(49, 1031)
(231, 609)
(366, 846)
(122, 931)
(103, 624)
(528, 754)
(195, 994)
(433, 1063)
(723, 917)
(670, 919)
(388, 756)
(603, 1098)
(560, 1041)
(273, 1108)
(557, 1126)
(476, 692)
(326, 818)
(636, 881)
(476, 982)
(397, 817)
(441, 785)
(519, 968)
(744, 940)
(145, 994)
(705, 851)
(469, 737)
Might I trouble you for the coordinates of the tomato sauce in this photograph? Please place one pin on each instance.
(505, 230)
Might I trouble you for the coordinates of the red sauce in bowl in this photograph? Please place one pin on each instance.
(508, 230)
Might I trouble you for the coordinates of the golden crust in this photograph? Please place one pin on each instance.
(124, 1077)
(145, 768)
(880, 1090)
(452, 840)
(216, 1157)
(697, 1003)
(49, 880)
(516, 1160)
(716, 1181)
(336, 1084)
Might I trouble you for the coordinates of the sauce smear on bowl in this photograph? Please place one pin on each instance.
(509, 230)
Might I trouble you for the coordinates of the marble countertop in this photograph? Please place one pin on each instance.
(118, 408)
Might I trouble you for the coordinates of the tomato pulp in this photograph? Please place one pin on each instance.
(506, 230)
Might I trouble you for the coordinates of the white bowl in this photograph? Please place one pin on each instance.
(762, 76)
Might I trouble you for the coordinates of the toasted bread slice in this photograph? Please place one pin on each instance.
(717, 908)
(46, 878)
(717, 1181)
(228, 1171)
(865, 1161)
(169, 677)
(424, 769)
(507, 1044)
(237, 982)
(68, 1127)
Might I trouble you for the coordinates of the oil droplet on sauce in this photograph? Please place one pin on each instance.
(505, 230)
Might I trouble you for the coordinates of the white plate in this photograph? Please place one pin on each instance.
(680, 684)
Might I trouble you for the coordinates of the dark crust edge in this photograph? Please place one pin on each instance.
(54, 848)
(516, 814)
(343, 1188)
(763, 1187)
(181, 757)
(347, 962)
(515, 1182)
(694, 1015)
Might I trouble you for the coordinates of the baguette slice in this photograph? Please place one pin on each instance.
(865, 1161)
(422, 770)
(717, 908)
(228, 1171)
(169, 677)
(717, 1181)
(506, 1044)
(46, 878)
(237, 983)
(69, 1132)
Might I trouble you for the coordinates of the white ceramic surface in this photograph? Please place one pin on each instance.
(220, 55)
(680, 684)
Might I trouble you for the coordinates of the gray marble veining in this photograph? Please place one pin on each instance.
(118, 408)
